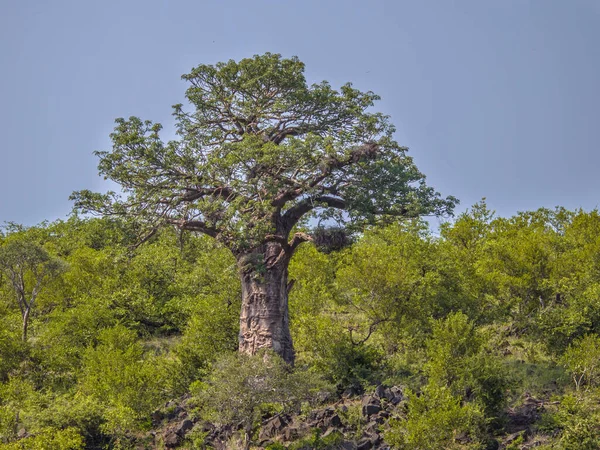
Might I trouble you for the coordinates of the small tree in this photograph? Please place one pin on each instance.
(27, 266)
(258, 152)
(241, 385)
(582, 360)
(436, 419)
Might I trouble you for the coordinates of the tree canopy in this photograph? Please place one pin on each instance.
(258, 149)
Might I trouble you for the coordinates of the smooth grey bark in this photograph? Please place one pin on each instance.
(25, 323)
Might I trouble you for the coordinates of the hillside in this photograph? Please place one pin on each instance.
(479, 336)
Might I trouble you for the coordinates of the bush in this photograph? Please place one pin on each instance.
(348, 365)
(12, 349)
(577, 422)
(316, 442)
(582, 360)
(126, 382)
(49, 439)
(437, 419)
(211, 331)
(459, 360)
(558, 326)
(241, 387)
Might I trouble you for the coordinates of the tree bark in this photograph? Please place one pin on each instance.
(25, 323)
(264, 318)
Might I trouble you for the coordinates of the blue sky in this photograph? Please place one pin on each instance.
(495, 98)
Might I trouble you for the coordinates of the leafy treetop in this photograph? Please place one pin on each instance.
(258, 151)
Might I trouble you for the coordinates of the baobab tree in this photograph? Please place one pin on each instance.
(259, 151)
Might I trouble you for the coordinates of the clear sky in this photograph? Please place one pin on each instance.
(495, 98)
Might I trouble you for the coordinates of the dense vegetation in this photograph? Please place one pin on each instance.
(472, 321)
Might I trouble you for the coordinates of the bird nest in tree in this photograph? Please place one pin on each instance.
(331, 239)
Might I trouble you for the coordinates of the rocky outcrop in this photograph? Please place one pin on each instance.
(374, 410)
(175, 424)
(357, 421)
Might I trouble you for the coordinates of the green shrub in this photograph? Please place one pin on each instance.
(582, 360)
(459, 360)
(348, 365)
(12, 349)
(49, 439)
(210, 332)
(437, 419)
(241, 387)
(125, 381)
(577, 422)
(316, 442)
(327, 347)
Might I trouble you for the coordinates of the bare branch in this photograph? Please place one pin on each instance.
(194, 225)
(330, 164)
(298, 239)
(372, 328)
(294, 214)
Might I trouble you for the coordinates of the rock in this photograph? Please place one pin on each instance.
(206, 427)
(317, 416)
(389, 396)
(374, 438)
(350, 392)
(492, 444)
(173, 411)
(513, 437)
(183, 427)
(372, 428)
(380, 391)
(174, 435)
(397, 395)
(463, 438)
(347, 445)
(273, 427)
(328, 432)
(370, 405)
(334, 421)
(324, 418)
(290, 434)
(364, 444)
(156, 417)
(172, 439)
(371, 409)
(525, 415)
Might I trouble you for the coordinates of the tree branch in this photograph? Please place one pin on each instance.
(363, 152)
(295, 213)
(194, 225)
(298, 239)
(372, 328)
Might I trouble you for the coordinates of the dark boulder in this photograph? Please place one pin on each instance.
(370, 406)
(273, 427)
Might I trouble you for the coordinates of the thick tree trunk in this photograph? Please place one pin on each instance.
(264, 319)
